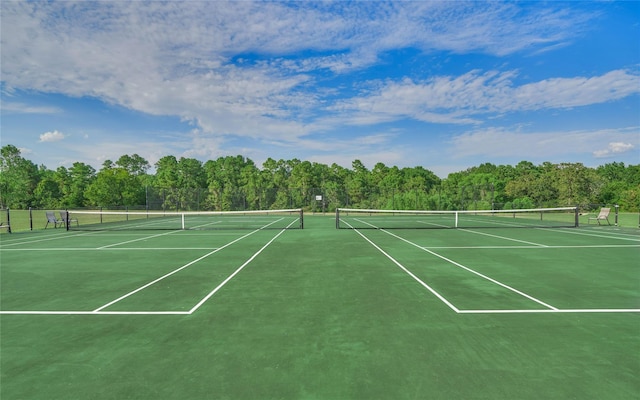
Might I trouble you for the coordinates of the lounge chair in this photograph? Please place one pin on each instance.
(51, 219)
(603, 216)
(65, 216)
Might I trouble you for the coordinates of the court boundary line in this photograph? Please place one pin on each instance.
(100, 311)
(550, 308)
(557, 311)
(110, 248)
(178, 269)
(457, 264)
(538, 247)
(240, 268)
(411, 274)
(458, 311)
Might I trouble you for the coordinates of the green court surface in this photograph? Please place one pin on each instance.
(321, 313)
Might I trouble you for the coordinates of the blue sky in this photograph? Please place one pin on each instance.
(445, 85)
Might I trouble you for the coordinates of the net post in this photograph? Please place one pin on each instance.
(8, 220)
(301, 218)
(182, 217)
(337, 218)
(616, 220)
(66, 216)
(456, 219)
(576, 213)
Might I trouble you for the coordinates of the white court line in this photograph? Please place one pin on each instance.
(504, 238)
(550, 309)
(208, 296)
(95, 313)
(56, 237)
(470, 270)
(137, 239)
(179, 269)
(198, 305)
(566, 311)
(584, 246)
(429, 288)
(112, 249)
(572, 231)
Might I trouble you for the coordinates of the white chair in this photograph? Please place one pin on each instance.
(65, 215)
(51, 219)
(603, 216)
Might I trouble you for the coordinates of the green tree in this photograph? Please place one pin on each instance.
(47, 193)
(275, 184)
(115, 187)
(224, 179)
(74, 183)
(301, 181)
(358, 185)
(576, 184)
(18, 178)
(133, 164)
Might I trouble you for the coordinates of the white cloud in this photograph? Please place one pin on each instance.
(460, 99)
(613, 149)
(20, 108)
(25, 151)
(496, 143)
(176, 58)
(52, 136)
(258, 70)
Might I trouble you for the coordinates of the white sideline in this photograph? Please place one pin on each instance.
(468, 269)
(99, 311)
(181, 268)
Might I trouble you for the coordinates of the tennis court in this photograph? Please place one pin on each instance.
(320, 312)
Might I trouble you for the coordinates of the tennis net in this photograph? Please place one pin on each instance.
(347, 218)
(192, 220)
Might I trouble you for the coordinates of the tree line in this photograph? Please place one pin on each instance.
(237, 183)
